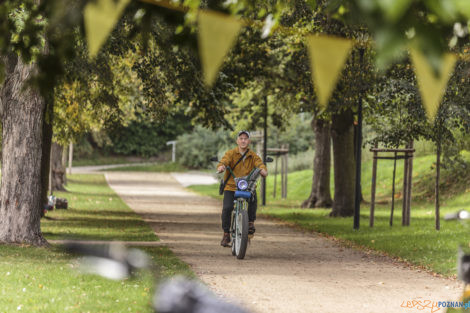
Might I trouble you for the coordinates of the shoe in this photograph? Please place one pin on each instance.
(251, 228)
(225, 240)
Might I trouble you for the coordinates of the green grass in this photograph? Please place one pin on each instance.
(104, 160)
(419, 244)
(47, 280)
(155, 167)
(95, 212)
(207, 190)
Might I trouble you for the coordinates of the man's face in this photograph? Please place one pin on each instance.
(243, 141)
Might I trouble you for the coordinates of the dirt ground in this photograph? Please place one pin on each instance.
(285, 270)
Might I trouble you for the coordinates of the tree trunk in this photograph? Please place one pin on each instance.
(58, 168)
(342, 133)
(46, 150)
(64, 163)
(20, 191)
(320, 195)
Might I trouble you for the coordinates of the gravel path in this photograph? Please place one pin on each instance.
(285, 270)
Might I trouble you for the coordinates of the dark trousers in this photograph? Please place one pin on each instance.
(228, 208)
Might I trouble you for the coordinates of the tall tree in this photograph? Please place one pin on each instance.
(31, 73)
(22, 119)
(320, 196)
(342, 133)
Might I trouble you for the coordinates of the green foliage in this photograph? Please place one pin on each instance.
(298, 134)
(146, 137)
(395, 25)
(22, 21)
(43, 34)
(83, 149)
(89, 94)
(273, 69)
(265, 71)
(394, 114)
(276, 69)
(195, 149)
(392, 110)
(97, 94)
(170, 73)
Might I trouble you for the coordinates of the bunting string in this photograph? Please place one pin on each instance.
(217, 33)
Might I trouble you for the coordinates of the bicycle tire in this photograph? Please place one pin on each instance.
(232, 232)
(241, 233)
(234, 253)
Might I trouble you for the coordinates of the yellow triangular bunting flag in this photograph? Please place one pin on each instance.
(432, 88)
(217, 34)
(100, 18)
(327, 58)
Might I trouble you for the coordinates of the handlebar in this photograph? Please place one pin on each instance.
(215, 159)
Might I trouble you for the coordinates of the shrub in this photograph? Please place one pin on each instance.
(146, 138)
(195, 149)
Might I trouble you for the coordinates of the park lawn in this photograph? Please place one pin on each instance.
(419, 244)
(154, 167)
(95, 212)
(47, 280)
(104, 160)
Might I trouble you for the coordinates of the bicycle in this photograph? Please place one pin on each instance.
(246, 187)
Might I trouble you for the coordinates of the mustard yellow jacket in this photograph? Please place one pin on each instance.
(243, 168)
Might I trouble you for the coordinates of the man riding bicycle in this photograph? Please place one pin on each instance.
(250, 161)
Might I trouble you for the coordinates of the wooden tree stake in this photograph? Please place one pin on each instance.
(372, 191)
(393, 189)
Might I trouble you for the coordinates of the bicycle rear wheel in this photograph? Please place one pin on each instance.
(241, 231)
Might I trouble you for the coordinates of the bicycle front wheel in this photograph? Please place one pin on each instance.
(233, 233)
(241, 231)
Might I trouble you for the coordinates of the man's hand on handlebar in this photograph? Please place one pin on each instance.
(263, 173)
(221, 169)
